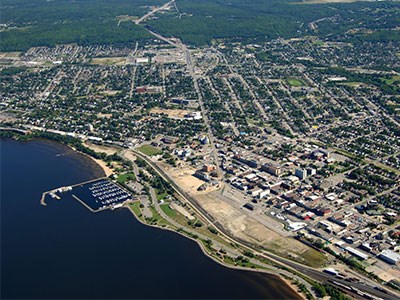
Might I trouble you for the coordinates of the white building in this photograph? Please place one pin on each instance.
(390, 257)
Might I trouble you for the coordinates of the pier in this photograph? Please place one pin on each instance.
(96, 195)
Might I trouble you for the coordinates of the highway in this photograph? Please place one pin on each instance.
(146, 16)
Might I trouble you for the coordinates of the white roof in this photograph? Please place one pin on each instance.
(390, 255)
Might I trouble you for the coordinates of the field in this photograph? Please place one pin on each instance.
(295, 82)
(394, 80)
(99, 148)
(183, 176)
(149, 150)
(124, 18)
(135, 207)
(126, 177)
(352, 84)
(167, 210)
(118, 61)
(172, 113)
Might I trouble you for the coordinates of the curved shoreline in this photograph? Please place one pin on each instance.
(106, 169)
(289, 285)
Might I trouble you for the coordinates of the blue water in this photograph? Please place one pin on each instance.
(63, 251)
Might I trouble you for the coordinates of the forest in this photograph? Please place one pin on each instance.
(200, 22)
(29, 23)
(197, 22)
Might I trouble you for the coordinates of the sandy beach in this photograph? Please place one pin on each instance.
(107, 170)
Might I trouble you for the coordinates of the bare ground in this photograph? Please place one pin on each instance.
(244, 227)
(172, 113)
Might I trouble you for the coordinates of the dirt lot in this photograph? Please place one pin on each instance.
(246, 228)
(172, 113)
(183, 176)
(98, 148)
(107, 116)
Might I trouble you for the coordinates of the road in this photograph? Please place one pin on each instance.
(190, 67)
(308, 271)
(146, 16)
(229, 251)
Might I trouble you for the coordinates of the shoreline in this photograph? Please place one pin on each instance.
(291, 286)
(108, 171)
(103, 165)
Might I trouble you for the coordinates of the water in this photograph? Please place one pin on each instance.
(65, 251)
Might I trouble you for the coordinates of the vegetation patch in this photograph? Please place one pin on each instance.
(149, 150)
(108, 61)
(126, 177)
(135, 207)
(167, 210)
(295, 82)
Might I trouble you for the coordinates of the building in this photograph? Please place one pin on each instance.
(201, 175)
(141, 60)
(208, 168)
(169, 139)
(193, 116)
(249, 206)
(390, 257)
(311, 172)
(357, 253)
(301, 173)
(90, 127)
(272, 169)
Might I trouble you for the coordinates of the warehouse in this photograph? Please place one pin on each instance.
(390, 257)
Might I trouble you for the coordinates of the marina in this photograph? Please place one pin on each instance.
(96, 195)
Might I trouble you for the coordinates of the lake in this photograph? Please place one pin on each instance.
(64, 251)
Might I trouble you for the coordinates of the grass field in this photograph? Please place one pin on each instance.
(126, 177)
(393, 80)
(295, 82)
(168, 211)
(314, 258)
(318, 42)
(135, 207)
(149, 150)
(161, 195)
(108, 61)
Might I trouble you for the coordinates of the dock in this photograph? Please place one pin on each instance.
(96, 195)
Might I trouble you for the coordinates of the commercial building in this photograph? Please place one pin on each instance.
(301, 173)
(390, 257)
(272, 169)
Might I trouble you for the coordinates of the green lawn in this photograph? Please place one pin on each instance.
(314, 258)
(161, 195)
(393, 80)
(295, 82)
(126, 177)
(318, 42)
(168, 211)
(135, 206)
(149, 150)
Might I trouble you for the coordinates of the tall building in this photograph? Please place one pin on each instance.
(301, 173)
